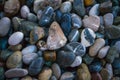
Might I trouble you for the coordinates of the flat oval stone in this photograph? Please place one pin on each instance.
(112, 32)
(15, 38)
(89, 2)
(78, 6)
(11, 7)
(66, 7)
(83, 72)
(77, 61)
(16, 72)
(67, 76)
(34, 67)
(32, 17)
(46, 17)
(5, 54)
(103, 52)
(108, 19)
(45, 74)
(94, 10)
(65, 58)
(24, 11)
(92, 22)
(66, 23)
(2, 77)
(76, 47)
(87, 37)
(4, 26)
(56, 70)
(14, 60)
(99, 43)
(116, 63)
(49, 55)
(76, 21)
(56, 38)
(74, 35)
(36, 34)
(28, 58)
(96, 76)
(29, 49)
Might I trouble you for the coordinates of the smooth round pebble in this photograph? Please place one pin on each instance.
(67, 76)
(16, 72)
(77, 61)
(15, 38)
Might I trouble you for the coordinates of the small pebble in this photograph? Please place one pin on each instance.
(92, 22)
(77, 61)
(26, 78)
(104, 74)
(32, 17)
(53, 78)
(15, 47)
(89, 2)
(16, 72)
(87, 59)
(96, 76)
(94, 10)
(94, 49)
(39, 14)
(67, 76)
(117, 45)
(15, 38)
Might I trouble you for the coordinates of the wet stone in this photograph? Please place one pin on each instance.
(74, 35)
(46, 17)
(76, 21)
(34, 67)
(94, 10)
(78, 7)
(16, 72)
(87, 37)
(67, 76)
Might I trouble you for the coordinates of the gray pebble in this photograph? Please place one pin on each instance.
(94, 10)
(24, 11)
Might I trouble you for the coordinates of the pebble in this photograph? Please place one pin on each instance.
(29, 49)
(105, 7)
(115, 10)
(89, 2)
(87, 59)
(94, 49)
(14, 60)
(76, 47)
(92, 22)
(104, 74)
(36, 34)
(56, 70)
(39, 14)
(110, 70)
(111, 54)
(87, 37)
(4, 26)
(53, 78)
(5, 54)
(34, 67)
(116, 63)
(101, 20)
(26, 78)
(76, 21)
(108, 19)
(78, 7)
(77, 61)
(66, 23)
(94, 10)
(116, 20)
(65, 58)
(103, 52)
(16, 72)
(83, 72)
(11, 7)
(46, 17)
(42, 45)
(15, 38)
(45, 74)
(67, 76)
(28, 58)
(24, 11)
(49, 55)
(96, 76)
(117, 44)
(56, 38)
(66, 7)
(112, 32)
(74, 35)
(1, 73)
(32, 17)
(58, 15)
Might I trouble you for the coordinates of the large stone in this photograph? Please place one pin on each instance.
(16, 72)
(92, 22)
(4, 26)
(14, 60)
(99, 43)
(83, 72)
(56, 38)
